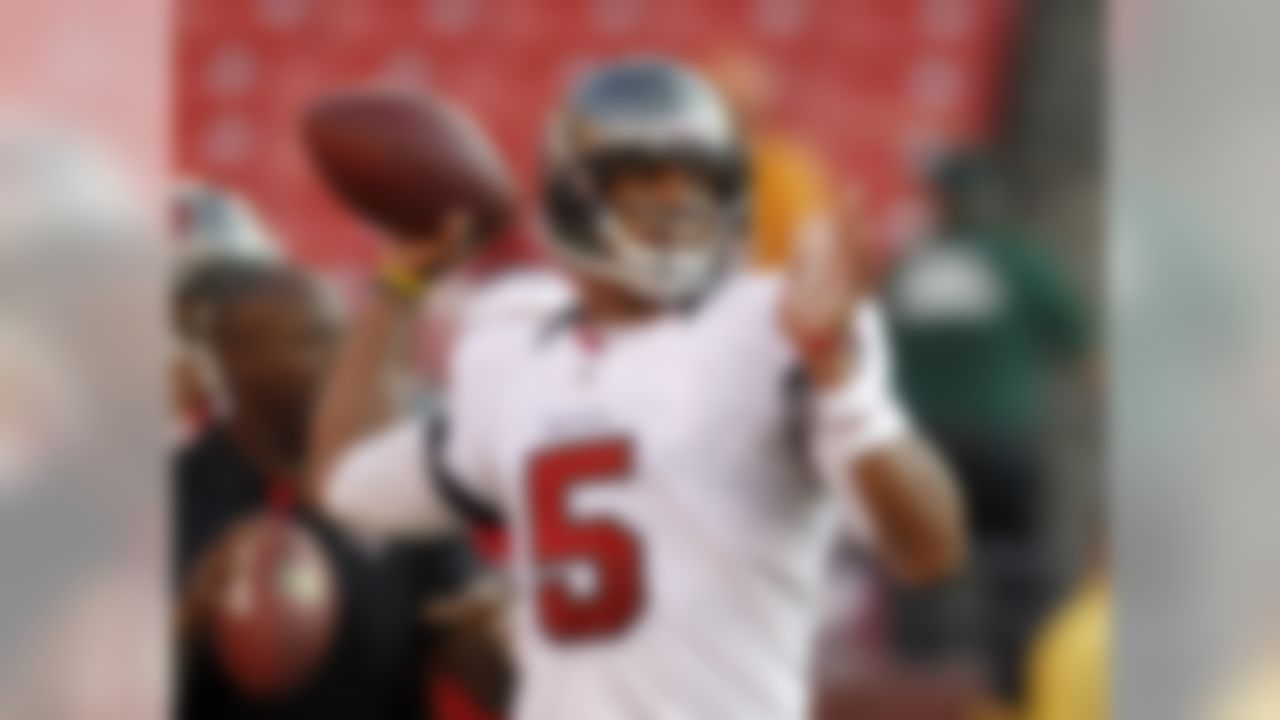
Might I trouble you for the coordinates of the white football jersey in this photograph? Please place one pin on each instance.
(669, 537)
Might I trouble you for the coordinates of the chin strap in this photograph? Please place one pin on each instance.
(636, 264)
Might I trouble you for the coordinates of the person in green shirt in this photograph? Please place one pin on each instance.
(981, 316)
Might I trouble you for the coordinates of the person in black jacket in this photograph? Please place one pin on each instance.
(270, 340)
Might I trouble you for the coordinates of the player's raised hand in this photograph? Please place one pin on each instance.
(822, 290)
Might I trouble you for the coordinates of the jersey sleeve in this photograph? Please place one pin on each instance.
(385, 486)
(427, 476)
(400, 483)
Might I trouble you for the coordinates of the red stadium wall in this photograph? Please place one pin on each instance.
(873, 85)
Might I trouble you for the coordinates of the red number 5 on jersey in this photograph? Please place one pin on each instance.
(612, 550)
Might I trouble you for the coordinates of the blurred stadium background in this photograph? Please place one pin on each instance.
(877, 85)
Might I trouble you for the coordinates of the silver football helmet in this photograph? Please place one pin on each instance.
(627, 117)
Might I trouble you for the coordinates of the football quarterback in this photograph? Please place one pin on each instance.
(672, 442)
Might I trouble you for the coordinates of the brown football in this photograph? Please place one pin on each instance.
(403, 160)
(274, 613)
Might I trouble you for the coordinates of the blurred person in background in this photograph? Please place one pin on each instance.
(981, 317)
(270, 336)
(1069, 665)
(78, 528)
(791, 191)
(217, 232)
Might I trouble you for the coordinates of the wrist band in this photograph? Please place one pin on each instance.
(852, 418)
(400, 282)
(846, 422)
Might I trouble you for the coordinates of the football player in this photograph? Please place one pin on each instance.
(671, 441)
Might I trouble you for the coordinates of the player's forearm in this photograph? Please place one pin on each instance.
(915, 508)
(358, 397)
(864, 445)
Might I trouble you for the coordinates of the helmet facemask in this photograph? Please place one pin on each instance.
(665, 231)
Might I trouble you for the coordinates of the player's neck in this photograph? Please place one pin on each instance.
(610, 305)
